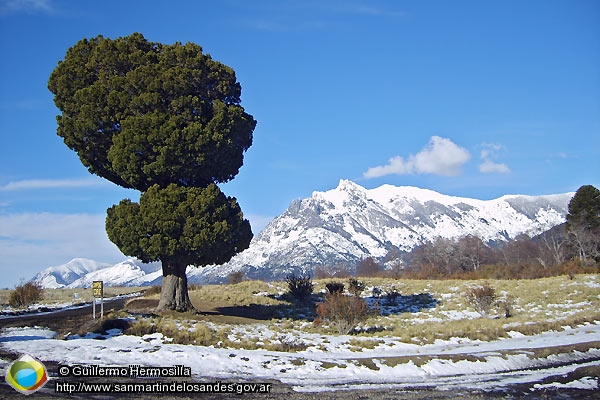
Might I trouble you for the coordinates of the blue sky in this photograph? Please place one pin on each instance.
(468, 98)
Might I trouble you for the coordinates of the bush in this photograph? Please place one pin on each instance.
(355, 286)
(335, 287)
(235, 277)
(25, 295)
(507, 306)
(115, 323)
(392, 295)
(343, 312)
(377, 292)
(482, 298)
(299, 287)
(287, 344)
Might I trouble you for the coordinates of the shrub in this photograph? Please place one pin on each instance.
(235, 277)
(141, 327)
(343, 312)
(335, 287)
(115, 323)
(299, 287)
(482, 298)
(287, 344)
(377, 292)
(392, 295)
(355, 286)
(25, 295)
(508, 306)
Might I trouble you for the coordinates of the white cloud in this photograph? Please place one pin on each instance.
(440, 156)
(30, 242)
(489, 166)
(488, 154)
(26, 6)
(33, 184)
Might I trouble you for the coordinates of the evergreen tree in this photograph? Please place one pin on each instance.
(179, 226)
(583, 223)
(165, 120)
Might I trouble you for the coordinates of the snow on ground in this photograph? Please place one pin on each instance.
(342, 362)
(587, 383)
(332, 365)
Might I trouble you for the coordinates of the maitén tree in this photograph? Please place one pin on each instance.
(165, 120)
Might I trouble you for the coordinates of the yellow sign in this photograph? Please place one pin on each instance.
(98, 288)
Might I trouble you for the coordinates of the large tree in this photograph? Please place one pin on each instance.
(165, 120)
(179, 226)
(583, 223)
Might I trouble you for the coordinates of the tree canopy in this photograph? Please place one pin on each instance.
(140, 113)
(583, 223)
(189, 226)
(165, 120)
(584, 208)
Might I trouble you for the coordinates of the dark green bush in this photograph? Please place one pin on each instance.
(355, 286)
(299, 287)
(335, 287)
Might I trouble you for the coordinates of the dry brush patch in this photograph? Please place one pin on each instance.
(342, 312)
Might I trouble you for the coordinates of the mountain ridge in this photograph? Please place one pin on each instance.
(344, 225)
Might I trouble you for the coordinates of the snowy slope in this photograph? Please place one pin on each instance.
(349, 223)
(81, 272)
(130, 272)
(62, 275)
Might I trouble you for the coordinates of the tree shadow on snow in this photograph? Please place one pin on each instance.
(252, 311)
(295, 310)
(305, 310)
(399, 303)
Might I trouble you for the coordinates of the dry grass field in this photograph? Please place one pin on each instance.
(422, 312)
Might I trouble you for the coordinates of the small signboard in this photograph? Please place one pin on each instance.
(98, 288)
(98, 292)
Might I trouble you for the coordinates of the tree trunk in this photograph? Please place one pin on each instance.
(174, 291)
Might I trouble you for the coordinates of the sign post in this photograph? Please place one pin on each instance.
(98, 292)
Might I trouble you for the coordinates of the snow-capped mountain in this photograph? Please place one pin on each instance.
(81, 272)
(62, 275)
(349, 223)
(341, 227)
(131, 272)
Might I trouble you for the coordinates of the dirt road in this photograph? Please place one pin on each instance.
(64, 320)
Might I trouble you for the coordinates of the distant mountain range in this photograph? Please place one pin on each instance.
(341, 227)
(81, 272)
